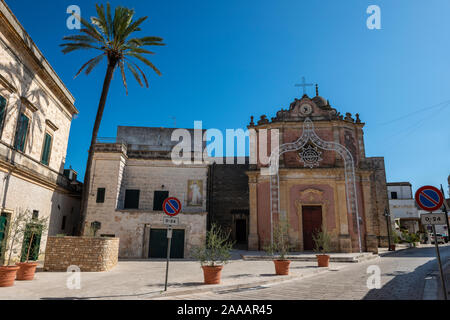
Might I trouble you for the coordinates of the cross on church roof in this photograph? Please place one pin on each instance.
(304, 85)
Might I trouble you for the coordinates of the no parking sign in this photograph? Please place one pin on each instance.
(172, 206)
(429, 198)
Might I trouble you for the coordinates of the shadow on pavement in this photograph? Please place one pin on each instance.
(407, 285)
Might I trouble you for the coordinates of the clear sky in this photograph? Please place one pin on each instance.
(226, 60)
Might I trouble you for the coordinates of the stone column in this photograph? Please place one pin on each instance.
(345, 243)
(253, 239)
(371, 238)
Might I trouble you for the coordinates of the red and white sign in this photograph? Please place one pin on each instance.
(172, 206)
(429, 198)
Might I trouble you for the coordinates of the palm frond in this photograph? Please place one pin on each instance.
(124, 79)
(135, 74)
(90, 62)
(133, 27)
(94, 63)
(69, 47)
(80, 38)
(137, 50)
(110, 32)
(101, 21)
(144, 60)
(140, 70)
(90, 29)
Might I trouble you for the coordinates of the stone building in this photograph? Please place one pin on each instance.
(228, 198)
(325, 180)
(36, 111)
(403, 208)
(131, 178)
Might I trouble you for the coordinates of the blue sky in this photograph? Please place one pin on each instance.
(226, 60)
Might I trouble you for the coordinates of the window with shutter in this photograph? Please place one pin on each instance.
(131, 199)
(101, 195)
(21, 132)
(46, 149)
(2, 112)
(158, 199)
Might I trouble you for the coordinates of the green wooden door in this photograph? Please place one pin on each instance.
(35, 244)
(158, 244)
(3, 221)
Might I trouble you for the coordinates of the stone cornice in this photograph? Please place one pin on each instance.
(299, 124)
(7, 84)
(51, 125)
(28, 104)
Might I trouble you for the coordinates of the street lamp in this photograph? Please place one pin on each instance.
(387, 215)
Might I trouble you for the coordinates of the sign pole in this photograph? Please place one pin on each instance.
(445, 209)
(439, 263)
(169, 242)
(171, 207)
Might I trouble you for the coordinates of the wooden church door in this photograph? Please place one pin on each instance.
(312, 222)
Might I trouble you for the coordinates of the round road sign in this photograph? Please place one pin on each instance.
(429, 198)
(172, 206)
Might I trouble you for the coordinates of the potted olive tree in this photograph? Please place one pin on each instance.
(16, 230)
(34, 228)
(322, 245)
(214, 254)
(280, 247)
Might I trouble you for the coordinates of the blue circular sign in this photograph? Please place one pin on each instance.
(429, 198)
(172, 206)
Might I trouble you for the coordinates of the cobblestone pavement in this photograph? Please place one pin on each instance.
(402, 277)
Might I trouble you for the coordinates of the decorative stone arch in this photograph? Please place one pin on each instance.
(310, 136)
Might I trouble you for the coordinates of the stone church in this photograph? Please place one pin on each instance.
(324, 181)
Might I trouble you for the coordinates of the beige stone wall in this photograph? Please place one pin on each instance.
(17, 194)
(30, 85)
(49, 110)
(116, 173)
(89, 254)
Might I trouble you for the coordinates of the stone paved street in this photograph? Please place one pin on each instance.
(402, 277)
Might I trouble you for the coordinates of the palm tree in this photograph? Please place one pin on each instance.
(114, 38)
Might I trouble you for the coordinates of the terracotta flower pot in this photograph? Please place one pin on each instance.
(323, 260)
(282, 267)
(8, 275)
(26, 271)
(212, 274)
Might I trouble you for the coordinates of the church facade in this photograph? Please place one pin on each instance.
(324, 181)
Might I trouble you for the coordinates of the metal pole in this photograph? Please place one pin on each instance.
(445, 209)
(386, 213)
(169, 242)
(439, 263)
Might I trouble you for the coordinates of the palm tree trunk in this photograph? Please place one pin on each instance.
(87, 176)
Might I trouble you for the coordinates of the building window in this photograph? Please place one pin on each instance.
(2, 112)
(45, 159)
(394, 195)
(21, 132)
(101, 195)
(63, 225)
(35, 214)
(131, 199)
(158, 199)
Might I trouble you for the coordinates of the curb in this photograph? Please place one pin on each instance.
(432, 288)
(242, 285)
(387, 253)
(357, 259)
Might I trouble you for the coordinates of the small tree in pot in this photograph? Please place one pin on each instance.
(214, 254)
(322, 245)
(34, 227)
(280, 247)
(16, 226)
